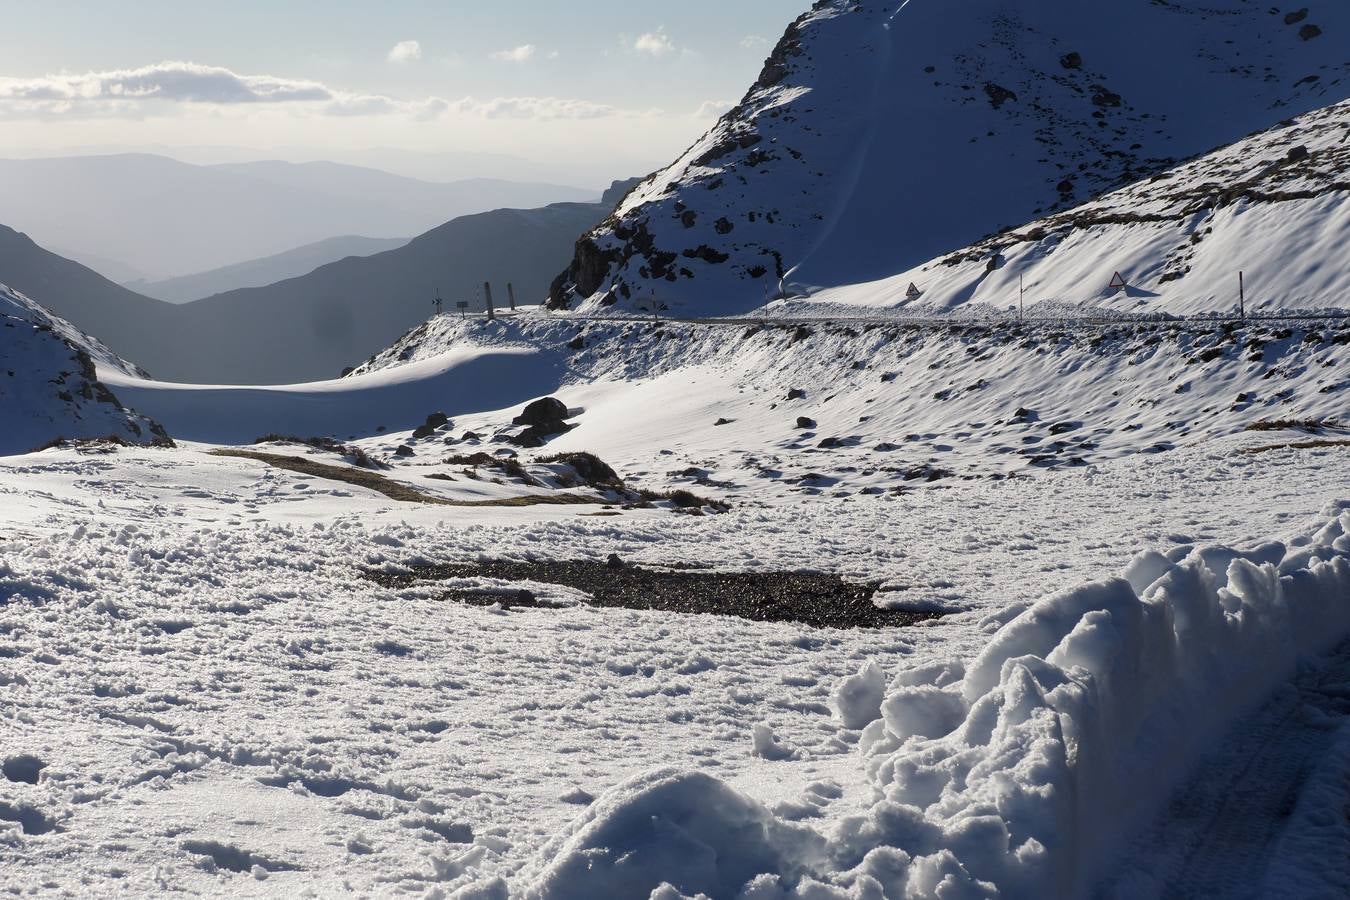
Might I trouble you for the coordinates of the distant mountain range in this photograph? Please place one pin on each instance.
(265, 271)
(166, 219)
(313, 326)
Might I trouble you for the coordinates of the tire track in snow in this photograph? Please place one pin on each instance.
(1222, 829)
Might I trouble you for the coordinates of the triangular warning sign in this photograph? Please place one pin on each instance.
(1118, 283)
(913, 293)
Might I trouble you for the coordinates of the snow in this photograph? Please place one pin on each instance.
(48, 383)
(208, 681)
(1179, 240)
(1070, 727)
(871, 154)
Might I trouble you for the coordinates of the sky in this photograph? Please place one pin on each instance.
(600, 86)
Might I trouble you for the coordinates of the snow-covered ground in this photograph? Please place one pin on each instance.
(219, 702)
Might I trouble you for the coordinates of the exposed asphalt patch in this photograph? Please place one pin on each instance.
(818, 600)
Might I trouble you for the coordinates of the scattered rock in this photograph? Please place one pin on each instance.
(805, 423)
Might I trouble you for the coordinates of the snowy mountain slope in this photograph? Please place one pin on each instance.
(49, 386)
(268, 270)
(882, 134)
(884, 408)
(1275, 205)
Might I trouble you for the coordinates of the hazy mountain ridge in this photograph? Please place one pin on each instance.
(312, 326)
(265, 271)
(168, 218)
(863, 149)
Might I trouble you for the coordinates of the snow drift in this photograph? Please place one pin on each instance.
(49, 386)
(865, 146)
(1017, 774)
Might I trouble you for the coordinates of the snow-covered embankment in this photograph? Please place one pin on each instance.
(1015, 775)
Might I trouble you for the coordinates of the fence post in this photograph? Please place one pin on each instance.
(487, 294)
(511, 295)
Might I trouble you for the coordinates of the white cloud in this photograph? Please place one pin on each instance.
(134, 93)
(520, 54)
(405, 52)
(533, 108)
(713, 109)
(181, 82)
(754, 42)
(654, 43)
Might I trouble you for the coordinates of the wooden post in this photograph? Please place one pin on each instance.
(511, 295)
(1242, 297)
(487, 295)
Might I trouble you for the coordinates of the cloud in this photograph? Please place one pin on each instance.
(516, 54)
(405, 52)
(533, 108)
(713, 109)
(132, 93)
(654, 43)
(754, 42)
(181, 82)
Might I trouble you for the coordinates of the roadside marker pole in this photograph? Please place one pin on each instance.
(487, 294)
(1242, 298)
(1021, 297)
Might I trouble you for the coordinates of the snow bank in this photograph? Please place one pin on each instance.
(686, 829)
(1019, 777)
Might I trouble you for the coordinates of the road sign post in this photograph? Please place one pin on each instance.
(511, 295)
(463, 308)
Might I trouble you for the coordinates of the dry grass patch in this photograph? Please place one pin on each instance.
(394, 490)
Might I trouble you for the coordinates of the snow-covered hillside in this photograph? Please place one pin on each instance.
(868, 144)
(1274, 206)
(752, 412)
(49, 386)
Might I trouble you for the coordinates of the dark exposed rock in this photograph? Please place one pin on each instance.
(540, 419)
(796, 394)
(805, 423)
(998, 95)
(1308, 32)
(707, 254)
(546, 412)
(1103, 97)
(1071, 61)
